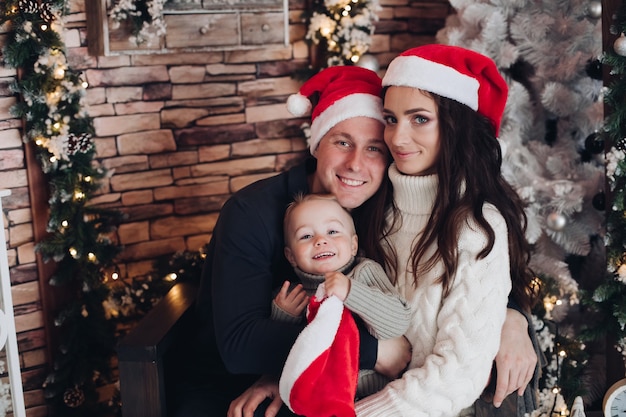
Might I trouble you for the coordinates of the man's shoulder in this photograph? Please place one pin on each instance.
(283, 184)
(269, 196)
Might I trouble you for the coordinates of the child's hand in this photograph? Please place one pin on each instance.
(293, 302)
(337, 284)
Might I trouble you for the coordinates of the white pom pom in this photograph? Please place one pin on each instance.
(298, 105)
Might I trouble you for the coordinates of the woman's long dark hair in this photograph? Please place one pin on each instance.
(469, 176)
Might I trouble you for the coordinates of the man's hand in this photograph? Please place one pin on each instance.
(516, 359)
(393, 357)
(337, 284)
(247, 403)
(293, 302)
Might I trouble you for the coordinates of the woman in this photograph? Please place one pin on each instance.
(453, 233)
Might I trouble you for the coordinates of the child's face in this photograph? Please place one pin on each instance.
(320, 237)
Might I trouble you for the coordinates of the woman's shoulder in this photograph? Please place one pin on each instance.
(492, 215)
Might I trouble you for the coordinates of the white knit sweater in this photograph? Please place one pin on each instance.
(455, 338)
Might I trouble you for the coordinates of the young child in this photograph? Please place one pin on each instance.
(321, 244)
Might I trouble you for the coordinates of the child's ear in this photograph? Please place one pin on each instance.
(355, 245)
(290, 257)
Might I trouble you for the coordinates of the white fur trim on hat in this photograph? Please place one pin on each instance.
(353, 105)
(416, 72)
(298, 105)
(313, 341)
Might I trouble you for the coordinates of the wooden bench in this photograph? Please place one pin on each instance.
(141, 353)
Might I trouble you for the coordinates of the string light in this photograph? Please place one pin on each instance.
(44, 27)
(171, 276)
(73, 253)
(59, 73)
(115, 276)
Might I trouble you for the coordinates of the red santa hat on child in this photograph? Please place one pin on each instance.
(453, 72)
(344, 92)
(320, 375)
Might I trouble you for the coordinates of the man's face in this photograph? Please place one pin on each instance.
(351, 161)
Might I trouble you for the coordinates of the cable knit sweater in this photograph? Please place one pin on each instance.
(455, 338)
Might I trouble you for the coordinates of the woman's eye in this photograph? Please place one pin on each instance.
(389, 120)
(420, 119)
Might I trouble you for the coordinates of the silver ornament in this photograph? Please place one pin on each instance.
(556, 221)
(594, 9)
(368, 61)
(619, 46)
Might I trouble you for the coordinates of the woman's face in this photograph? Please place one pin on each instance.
(412, 130)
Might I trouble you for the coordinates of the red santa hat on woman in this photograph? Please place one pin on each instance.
(344, 92)
(453, 72)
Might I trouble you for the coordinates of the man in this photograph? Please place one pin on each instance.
(245, 263)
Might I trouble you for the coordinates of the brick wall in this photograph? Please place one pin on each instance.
(179, 133)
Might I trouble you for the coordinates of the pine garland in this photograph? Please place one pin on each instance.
(609, 299)
(78, 240)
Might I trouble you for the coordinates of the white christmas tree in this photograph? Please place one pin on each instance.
(553, 151)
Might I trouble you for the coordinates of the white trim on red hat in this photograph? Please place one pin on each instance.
(316, 338)
(417, 72)
(353, 105)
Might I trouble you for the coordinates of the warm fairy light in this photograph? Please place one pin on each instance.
(53, 159)
(79, 195)
(354, 58)
(325, 31)
(171, 276)
(115, 276)
(91, 257)
(345, 12)
(562, 353)
(56, 125)
(549, 303)
(85, 84)
(59, 73)
(87, 178)
(558, 302)
(73, 252)
(39, 141)
(348, 8)
(65, 223)
(556, 390)
(44, 27)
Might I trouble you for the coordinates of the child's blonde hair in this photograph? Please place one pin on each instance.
(301, 198)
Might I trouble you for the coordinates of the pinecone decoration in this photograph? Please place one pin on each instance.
(74, 397)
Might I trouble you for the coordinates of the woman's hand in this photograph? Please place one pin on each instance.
(247, 403)
(393, 357)
(516, 360)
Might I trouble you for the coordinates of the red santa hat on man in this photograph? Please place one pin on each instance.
(344, 92)
(453, 72)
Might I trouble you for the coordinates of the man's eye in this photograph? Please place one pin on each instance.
(375, 149)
